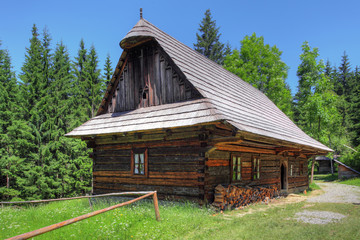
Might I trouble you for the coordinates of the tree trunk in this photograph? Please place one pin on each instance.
(312, 170)
(7, 181)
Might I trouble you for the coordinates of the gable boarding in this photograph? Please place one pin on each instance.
(149, 78)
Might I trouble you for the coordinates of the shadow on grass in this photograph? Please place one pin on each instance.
(326, 177)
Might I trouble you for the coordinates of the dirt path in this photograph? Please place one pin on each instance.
(337, 193)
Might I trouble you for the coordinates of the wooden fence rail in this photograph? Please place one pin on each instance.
(77, 219)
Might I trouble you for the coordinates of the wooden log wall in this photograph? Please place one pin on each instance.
(218, 168)
(298, 179)
(345, 172)
(182, 163)
(176, 163)
(324, 167)
(149, 78)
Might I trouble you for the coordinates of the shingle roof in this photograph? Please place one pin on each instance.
(229, 98)
(156, 117)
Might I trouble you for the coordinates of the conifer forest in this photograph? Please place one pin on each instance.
(55, 92)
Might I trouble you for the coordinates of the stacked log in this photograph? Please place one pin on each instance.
(231, 197)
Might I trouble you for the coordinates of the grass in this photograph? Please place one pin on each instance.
(334, 178)
(178, 221)
(326, 177)
(353, 181)
(313, 186)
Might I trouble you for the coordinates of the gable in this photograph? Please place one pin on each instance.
(148, 78)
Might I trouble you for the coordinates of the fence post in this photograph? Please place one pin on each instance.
(156, 206)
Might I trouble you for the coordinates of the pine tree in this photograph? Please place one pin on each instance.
(15, 135)
(36, 75)
(108, 71)
(260, 65)
(208, 40)
(94, 83)
(32, 74)
(355, 108)
(78, 91)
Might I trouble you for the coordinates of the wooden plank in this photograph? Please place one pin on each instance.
(156, 80)
(176, 175)
(131, 90)
(112, 173)
(147, 181)
(244, 149)
(169, 85)
(165, 190)
(120, 167)
(176, 87)
(219, 155)
(163, 80)
(182, 90)
(189, 142)
(217, 162)
(150, 70)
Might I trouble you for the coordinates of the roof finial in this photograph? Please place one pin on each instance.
(141, 13)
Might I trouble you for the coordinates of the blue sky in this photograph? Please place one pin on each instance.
(331, 26)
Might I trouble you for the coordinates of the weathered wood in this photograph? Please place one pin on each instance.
(191, 191)
(245, 149)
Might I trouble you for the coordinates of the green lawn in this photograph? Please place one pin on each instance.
(334, 178)
(179, 221)
(353, 181)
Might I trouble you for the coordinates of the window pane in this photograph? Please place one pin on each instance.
(136, 157)
(136, 169)
(258, 168)
(141, 169)
(141, 158)
(239, 169)
(234, 163)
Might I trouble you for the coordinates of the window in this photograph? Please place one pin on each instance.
(139, 162)
(256, 168)
(291, 170)
(236, 168)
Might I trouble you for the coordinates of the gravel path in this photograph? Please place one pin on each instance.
(333, 193)
(337, 193)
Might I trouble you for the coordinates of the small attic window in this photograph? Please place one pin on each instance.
(144, 92)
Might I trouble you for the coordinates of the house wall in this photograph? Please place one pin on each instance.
(218, 171)
(182, 163)
(344, 172)
(324, 167)
(176, 162)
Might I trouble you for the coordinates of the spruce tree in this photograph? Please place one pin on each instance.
(16, 139)
(208, 40)
(355, 108)
(94, 82)
(78, 91)
(108, 71)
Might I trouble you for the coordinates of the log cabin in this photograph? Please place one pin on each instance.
(173, 121)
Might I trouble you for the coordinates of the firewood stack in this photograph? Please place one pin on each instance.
(231, 197)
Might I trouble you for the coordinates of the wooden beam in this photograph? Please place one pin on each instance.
(245, 149)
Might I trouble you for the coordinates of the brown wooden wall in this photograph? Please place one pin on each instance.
(299, 179)
(149, 79)
(345, 172)
(175, 164)
(182, 163)
(218, 171)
